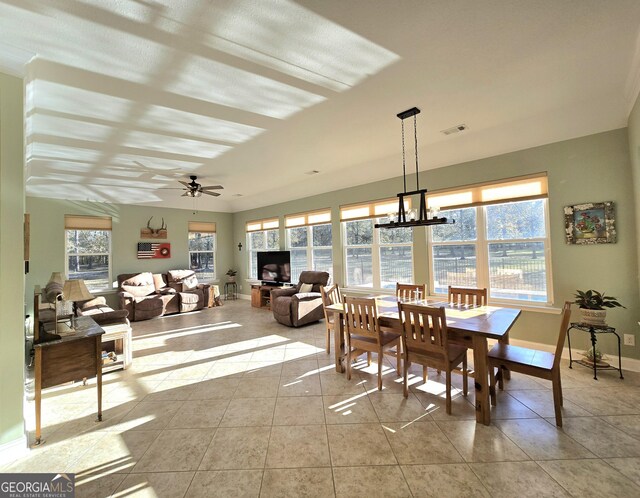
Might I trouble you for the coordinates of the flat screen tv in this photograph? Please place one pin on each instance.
(274, 267)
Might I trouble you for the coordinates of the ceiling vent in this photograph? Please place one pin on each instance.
(236, 195)
(455, 129)
(312, 172)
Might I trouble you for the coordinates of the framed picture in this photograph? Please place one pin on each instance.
(590, 223)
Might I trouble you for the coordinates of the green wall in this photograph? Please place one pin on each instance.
(634, 154)
(11, 259)
(47, 240)
(588, 169)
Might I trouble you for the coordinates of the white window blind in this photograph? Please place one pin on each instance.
(319, 217)
(202, 227)
(267, 224)
(373, 209)
(78, 222)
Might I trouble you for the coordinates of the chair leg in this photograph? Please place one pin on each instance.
(380, 360)
(465, 377)
(406, 377)
(348, 362)
(398, 359)
(425, 373)
(500, 378)
(368, 358)
(557, 397)
(328, 340)
(492, 384)
(448, 384)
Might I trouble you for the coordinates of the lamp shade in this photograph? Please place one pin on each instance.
(76, 290)
(56, 277)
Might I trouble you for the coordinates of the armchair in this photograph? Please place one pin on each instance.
(294, 308)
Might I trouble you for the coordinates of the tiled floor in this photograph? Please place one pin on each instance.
(227, 402)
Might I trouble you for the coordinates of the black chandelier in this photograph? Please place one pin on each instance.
(412, 218)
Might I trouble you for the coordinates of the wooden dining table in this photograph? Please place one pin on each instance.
(468, 325)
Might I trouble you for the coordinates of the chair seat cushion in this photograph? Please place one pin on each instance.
(385, 338)
(522, 356)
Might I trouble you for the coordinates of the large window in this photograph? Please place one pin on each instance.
(310, 241)
(202, 249)
(88, 250)
(262, 235)
(501, 246)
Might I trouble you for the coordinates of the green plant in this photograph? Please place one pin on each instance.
(594, 300)
(231, 272)
(588, 354)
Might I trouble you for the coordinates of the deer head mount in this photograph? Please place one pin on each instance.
(154, 233)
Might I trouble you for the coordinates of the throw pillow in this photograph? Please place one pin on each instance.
(306, 287)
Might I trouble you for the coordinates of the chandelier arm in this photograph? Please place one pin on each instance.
(415, 138)
(404, 174)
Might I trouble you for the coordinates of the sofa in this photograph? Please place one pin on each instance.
(149, 295)
(292, 307)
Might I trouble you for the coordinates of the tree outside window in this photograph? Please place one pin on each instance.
(202, 246)
(88, 257)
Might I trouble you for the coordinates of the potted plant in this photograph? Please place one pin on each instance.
(593, 306)
(599, 357)
(231, 275)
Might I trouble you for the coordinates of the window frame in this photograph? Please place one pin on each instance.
(309, 247)
(109, 254)
(213, 254)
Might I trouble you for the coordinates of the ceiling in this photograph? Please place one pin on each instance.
(126, 97)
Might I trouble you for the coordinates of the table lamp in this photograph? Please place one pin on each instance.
(56, 277)
(75, 290)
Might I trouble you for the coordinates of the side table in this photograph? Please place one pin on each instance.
(230, 291)
(594, 330)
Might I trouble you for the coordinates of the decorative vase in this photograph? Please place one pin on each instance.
(593, 317)
(231, 278)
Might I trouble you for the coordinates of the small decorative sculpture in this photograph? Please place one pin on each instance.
(154, 233)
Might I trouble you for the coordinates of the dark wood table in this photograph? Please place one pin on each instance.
(471, 326)
(73, 357)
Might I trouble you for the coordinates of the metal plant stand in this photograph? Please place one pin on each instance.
(594, 330)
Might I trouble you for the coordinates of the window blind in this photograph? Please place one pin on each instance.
(266, 224)
(373, 209)
(78, 222)
(202, 227)
(306, 219)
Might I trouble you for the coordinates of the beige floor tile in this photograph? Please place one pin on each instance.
(370, 481)
(257, 387)
(194, 370)
(508, 407)
(150, 415)
(199, 414)
(300, 386)
(300, 368)
(301, 483)
(98, 484)
(541, 440)
(629, 467)
(522, 479)
(152, 485)
(237, 448)
(359, 444)
(397, 408)
(245, 412)
(335, 384)
(436, 481)
(420, 443)
(112, 415)
(590, 478)
(172, 390)
(227, 370)
(176, 450)
(256, 369)
(480, 443)
(541, 402)
(600, 401)
(461, 408)
(215, 389)
(298, 446)
(349, 409)
(630, 424)
(302, 410)
(225, 484)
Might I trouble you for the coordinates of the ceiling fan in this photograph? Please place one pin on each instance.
(194, 189)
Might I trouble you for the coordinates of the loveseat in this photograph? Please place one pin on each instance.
(293, 307)
(149, 295)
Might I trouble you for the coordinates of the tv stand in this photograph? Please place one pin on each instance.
(261, 296)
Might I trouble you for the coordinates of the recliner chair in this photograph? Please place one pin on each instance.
(293, 308)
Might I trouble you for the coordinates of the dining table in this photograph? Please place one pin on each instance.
(469, 325)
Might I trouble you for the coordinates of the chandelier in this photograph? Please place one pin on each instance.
(412, 217)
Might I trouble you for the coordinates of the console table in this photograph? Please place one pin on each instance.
(73, 357)
(261, 296)
(594, 330)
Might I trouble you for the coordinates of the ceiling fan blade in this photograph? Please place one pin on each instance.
(186, 184)
(212, 187)
(186, 194)
(216, 194)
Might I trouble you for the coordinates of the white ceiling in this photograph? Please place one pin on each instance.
(126, 97)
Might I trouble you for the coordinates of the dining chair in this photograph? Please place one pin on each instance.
(426, 341)
(330, 295)
(364, 334)
(531, 362)
(408, 291)
(467, 296)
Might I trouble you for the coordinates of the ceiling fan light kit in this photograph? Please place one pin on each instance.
(412, 218)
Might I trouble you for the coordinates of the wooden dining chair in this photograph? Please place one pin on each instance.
(408, 291)
(364, 334)
(425, 341)
(330, 295)
(467, 296)
(531, 362)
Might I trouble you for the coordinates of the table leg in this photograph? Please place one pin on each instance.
(619, 356)
(506, 373)
(38, 393)
(338, 340)
(99, 375)
(593, 344)
(480, 351)
(569, 344)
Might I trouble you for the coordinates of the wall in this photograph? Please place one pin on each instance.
(588, 169)
(48, 246)
(11, 263)
(634, 154)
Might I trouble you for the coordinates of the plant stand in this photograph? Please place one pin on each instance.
(593, 331)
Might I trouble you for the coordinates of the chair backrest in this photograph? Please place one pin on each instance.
(408, 291)
(424, 329)
(316, 278)
(362, 317)
(330, 295)
(467, 296)
(564, 325)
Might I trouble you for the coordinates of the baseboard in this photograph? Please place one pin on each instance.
(246, 297)
(631, 364)
(13, 450)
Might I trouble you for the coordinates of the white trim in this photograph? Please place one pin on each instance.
(246, 297)
(13, 450)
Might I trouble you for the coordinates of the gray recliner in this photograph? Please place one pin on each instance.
(294, 308)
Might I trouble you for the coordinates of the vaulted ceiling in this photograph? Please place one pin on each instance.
(126, 97)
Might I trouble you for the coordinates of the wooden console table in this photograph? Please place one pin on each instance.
(261, 296)
(73, 357)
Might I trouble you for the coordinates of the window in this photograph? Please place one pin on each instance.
(310, 241)
(503, 246)
(202, 249)
(88, 250)
(262, 235)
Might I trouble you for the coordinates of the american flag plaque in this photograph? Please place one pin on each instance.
(154, 250)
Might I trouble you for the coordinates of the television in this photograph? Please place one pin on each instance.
(274, 267)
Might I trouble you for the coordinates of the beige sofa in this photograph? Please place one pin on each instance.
(149, 295)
